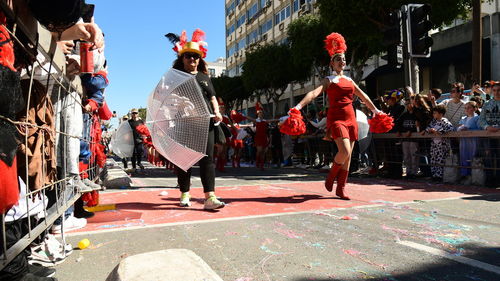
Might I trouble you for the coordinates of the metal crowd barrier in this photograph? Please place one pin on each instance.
(386, 149)
(51, 61)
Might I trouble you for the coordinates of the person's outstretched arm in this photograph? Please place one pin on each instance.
(313, 94)
(366, 99)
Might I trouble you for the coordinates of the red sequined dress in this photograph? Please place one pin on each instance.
(341, 119)
(260, 133)
(235, 142)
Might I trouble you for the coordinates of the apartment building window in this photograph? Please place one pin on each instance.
(231, 72)
(252, 37)
(241, 44)
(230, 8)
(282, 15)
(252, 11)
(296, 5)
(211, 72)
(231, 50)
(240, 21)
(263, 3)
(266, 26)
(230, 30)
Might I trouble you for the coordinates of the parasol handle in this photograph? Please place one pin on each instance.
(212, 116)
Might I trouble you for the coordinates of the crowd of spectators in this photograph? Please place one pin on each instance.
(64, 153)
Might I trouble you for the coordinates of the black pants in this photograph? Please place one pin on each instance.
(207, 169)
(18, 267)
(277, 151)
(124, 161)
(137, 156)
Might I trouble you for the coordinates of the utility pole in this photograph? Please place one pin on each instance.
(477, 41)
(407, 59)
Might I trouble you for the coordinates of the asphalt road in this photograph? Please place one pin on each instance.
(445, 239)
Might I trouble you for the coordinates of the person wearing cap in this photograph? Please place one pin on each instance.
(134, 122)
(190, 57)
(341, 120)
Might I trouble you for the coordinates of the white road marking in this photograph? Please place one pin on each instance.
(444, 254)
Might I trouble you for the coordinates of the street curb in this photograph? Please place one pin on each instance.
(167, 265)
(116, 176)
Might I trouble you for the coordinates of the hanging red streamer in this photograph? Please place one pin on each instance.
(294, 125)
(381, 123)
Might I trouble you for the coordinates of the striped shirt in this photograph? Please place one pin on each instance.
(454, 111)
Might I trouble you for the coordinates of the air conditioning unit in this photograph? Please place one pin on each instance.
(281, 26)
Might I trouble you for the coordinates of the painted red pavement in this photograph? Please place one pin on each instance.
(142, 208)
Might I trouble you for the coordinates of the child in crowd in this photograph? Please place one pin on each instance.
(440, 147)
(405, 126)
(468, 146)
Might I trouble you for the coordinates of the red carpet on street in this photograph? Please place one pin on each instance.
(137, 208)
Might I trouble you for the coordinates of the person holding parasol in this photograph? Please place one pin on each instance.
(190, 57)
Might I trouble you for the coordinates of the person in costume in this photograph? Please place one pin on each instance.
(236, 144)
(135, 122)
(261, 138)
(190, 57)
(222, 148)
(341, 126)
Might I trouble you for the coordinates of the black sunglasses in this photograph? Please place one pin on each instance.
(191, 55)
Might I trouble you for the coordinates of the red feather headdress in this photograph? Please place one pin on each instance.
(335, 44)
(196, 45)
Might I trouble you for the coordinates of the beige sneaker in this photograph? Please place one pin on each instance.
(213, 203)
(185, 199)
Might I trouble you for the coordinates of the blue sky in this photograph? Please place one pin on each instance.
(136, 49)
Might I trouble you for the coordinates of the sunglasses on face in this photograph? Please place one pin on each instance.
(135, 112)
(191, 55)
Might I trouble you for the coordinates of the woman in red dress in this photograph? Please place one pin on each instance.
(341, 121)
(236, 144)
(261, 139)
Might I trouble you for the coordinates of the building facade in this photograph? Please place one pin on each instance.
(253, 22)
(217, 68)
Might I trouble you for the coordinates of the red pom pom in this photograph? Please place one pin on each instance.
(236, 116)
(335, 44)
(294, 125)
(381, 123)
(143, 130)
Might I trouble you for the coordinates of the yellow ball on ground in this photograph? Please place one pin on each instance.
(84, 243)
